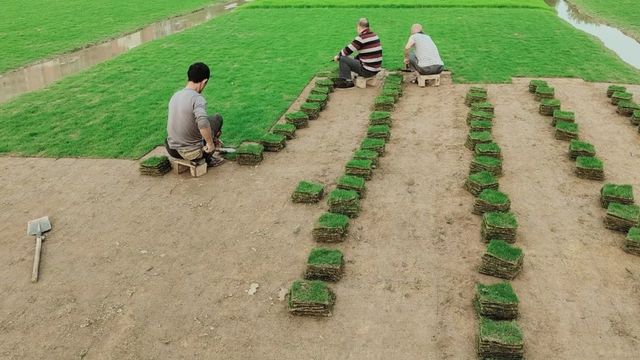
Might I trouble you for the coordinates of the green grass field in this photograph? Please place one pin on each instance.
(399, 3)
(261, 59)
(623, 14)
(43, 28)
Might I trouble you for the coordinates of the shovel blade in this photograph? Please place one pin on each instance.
(38, 226)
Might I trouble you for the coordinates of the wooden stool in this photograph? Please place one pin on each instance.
(422, 80)
(197, 168)
(362, 82)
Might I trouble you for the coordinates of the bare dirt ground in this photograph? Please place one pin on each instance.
(146, 268)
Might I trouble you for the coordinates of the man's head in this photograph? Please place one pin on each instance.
(362, 25)
(416, 28)
(198, 75)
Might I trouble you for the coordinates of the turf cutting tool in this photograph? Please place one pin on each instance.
(37, 228)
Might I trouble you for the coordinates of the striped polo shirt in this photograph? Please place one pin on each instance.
(369, 49)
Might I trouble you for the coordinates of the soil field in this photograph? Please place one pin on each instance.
(146, 268)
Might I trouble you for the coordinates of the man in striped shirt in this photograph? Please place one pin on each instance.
(369, 59)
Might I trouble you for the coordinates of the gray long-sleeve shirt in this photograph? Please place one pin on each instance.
(187, 114)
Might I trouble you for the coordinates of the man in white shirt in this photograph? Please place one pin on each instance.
(425, 58)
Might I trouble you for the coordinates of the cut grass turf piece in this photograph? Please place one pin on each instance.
(581, 148)
(287, 130)
(620, 96)
(496, 301)
(483, 106)
(379, 132)
(489, 149)
(490, 200)
(273, 142)
(614, 89)
(392, 93)
(350, 182)
(380, 118)
(479, 115)
(626, 107)
(367, 155)
(249, 153)
(377, 145)
(345, 202)
(320, 90)
(548, 106)
(545, 92)
(320, 99)
(480, 181)
(535, 84)
(310, 298)
(499, 226)
(299, 119)
(621, 194)
(324, 264)
(328, 83)
(590, 168)
(567, 116)
(331, 228)
(308, 192)
(383, 103)
(475, 97)
(635, 117)
(362, 168)
(394, 87)
(477, 89)
(566, 130)
(394, 79)
(501, 260)
(155, 166)
(499, 339)
(480, 125)
(621, 217)
(632, 241)
(478, 137)
(311, 109)
(486, 163)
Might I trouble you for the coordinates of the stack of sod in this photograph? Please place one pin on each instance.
(635, 117)
(501, 260)
(489, 149)
(590, 168)
(320, 90)
(548, 106)
(486, 163)
(155, 166)
(355, 183)
(308, 192)
(482, 106)
(581, 148)
(379, 132)
(312, 298)
(311, 109)
(478, 89)
(621, 194)
(367, 155)
(299, 119)
(380, 118)
(345, 202)
(566, 130)
(395, 87)
(286, 130)
(632, 242)
(622, 217)
(566, 116)
(499, 226)
(362, 168)
(477, 137)
(327, 73)
(394, 79)
(376, 145)
(383, 103)
(500, 340)
(327, 83)
(331, 228)
(620, 96)
(480, 125)
(490, 200)
(273, 142)
(534, 84)
(320, 99)
(497, 301)
(480, 181)
(475, 96)
(479, 115)
(545, 92)
(392, 93)
(324, 264)
(249, 153)
(627, 108)
(614, 89)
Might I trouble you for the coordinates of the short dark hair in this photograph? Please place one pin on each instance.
(198, 72)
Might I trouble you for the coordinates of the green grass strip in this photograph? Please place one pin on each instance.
(627, 212)
(359, 164)
(324, 256)
(619, 191)
(564, 115)
(154, 161)
(483, 136)
(550, 102)
(371, 143)
(577, 145)
(490, 147)
(487, 161)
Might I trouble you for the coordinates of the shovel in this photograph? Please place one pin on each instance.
(38, 227)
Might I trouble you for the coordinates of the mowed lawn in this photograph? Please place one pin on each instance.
(261, 60)
(624, 14)
(400, 3)
(38, 29)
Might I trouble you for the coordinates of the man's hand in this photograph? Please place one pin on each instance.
(218, 143)
(336, 58)
(209, 148)
(406, 61)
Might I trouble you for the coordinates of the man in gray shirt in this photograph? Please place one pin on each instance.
(192, 134)
(425, 58)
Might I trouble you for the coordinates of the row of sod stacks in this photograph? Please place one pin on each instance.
(501, 260)
(324, 264)
(497, 301)
(331, 228)
(490, 200)
(313, 298)
(155, 166)
(308, 192)
(624, 102)
(499, 226)
(622, 214)
(249, 153)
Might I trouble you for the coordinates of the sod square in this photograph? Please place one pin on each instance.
(480, 125)
(273, 142)
(581, 148)
(155, 166)
(499, 226)
(590, 168)
(345, 202)
(626, 107)
(566, 130)
(534, 84)
(500, 339)
(548, 106)
(392, 93)
(475, 97)
(497, 301)
(545, 92)
(308, 192)
(394, 78)
(490, 200)
(486, 163)
(299, 119)
(621, 194)
(380, 118)
(383, 103)
(480, 181)
(619, 96)
(362, 168)
(483, 106)
(379, 132)
(489, 149)
(632, 241)
(367, 155)
(328, 73)
(320, 90)
(287, 130)
(249, 153)
(311, 109)
(377, 145)
(614, 89)
(351, 182)
(328, 83)
(318, 98)
(621, 217)
(324, 264)
(567, 116)
(477, 137)
(394, 87)
(310, 298)
(479, 115)
(635, 117)
(331, 228)
(501, 260)
(477, 89)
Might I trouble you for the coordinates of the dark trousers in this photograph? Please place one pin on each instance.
(425, 70)
(216, 127)
(349, 64)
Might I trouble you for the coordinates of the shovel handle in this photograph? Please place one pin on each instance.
(36, 259)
